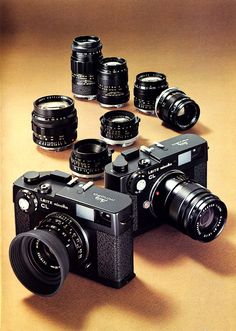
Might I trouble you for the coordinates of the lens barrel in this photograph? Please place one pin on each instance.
(119, 127)
(176, 109)
(147, 87)
(85, 58)
(54, 122)
(189, 206)
(41, 258)
(89, 157)
(113, 89)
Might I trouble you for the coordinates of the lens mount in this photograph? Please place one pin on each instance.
(54, 122)
(30, 268)
(190, 207)
(119, 127)
(148, 86)
(113, 89)
(89, 157)
(176, 109)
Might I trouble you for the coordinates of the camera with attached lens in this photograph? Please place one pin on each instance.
(167, 182)
(65, 225)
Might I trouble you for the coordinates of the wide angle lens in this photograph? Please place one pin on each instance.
(89, 157)
(41, 258)
(147, 87)
(119, 127)
(54, 122)
(189, 206)
(85, 58)
(176, 109)
(113, 89)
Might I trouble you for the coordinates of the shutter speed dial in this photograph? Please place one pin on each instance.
(27, 201)
(137, 182)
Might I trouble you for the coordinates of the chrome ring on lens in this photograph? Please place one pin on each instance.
(119, 128)
(176, 109)
(89, 157)
(54, 122)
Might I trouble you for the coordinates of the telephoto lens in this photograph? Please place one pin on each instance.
(189, 206)
(176, 109)
(41, 258)
(54, 122)
(147, 87)
(113, 89)
(89, 157)
(86, 55)
(119, 127)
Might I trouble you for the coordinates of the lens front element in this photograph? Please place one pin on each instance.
(41, 258)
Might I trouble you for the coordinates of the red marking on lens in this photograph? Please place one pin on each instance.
(157, 193)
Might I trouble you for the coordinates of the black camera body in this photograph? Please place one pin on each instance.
(97, 221)
(138, 172)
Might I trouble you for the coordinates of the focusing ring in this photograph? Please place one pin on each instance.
(148, 86)
(175, 108)
(119, 127)
(89, 157)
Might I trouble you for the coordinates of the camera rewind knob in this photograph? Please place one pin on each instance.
(120, 164)
(31, 177)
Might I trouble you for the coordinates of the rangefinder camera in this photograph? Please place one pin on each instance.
(65, 225)
(167, 182)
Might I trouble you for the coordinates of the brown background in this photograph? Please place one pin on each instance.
(181, 284)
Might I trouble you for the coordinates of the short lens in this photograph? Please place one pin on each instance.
(89, 157)
(85, 58)
(148, 86)
(176, 109)
(54, 122)
(41, 258)
(188, 206)
(34, 271)
(113, 89)
(119, 127)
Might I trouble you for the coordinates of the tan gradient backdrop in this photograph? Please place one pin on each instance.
(181, 284)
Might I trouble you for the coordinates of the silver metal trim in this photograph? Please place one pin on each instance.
(101, 174)
(55, 149)
(119, 105)
(88, 97)
(87, 186)
(161, 95)
(72, 181)
(147, 112)
(122, 143)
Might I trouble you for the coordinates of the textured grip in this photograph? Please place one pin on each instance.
(200, 173)
(115, 255)
(22, 220)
